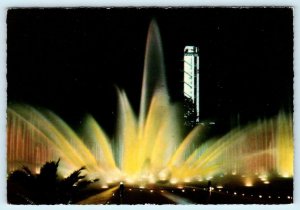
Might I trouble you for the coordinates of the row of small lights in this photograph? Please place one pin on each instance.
(211, 189)
(263, 178)
(260, 196)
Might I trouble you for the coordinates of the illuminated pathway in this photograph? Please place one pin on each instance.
(140, 196)
(100, 198)
(176, 199)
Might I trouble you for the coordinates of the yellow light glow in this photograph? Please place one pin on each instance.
(200, 179)
(174, 181)
(285, 148)
(99, 158)
(187, 180)
(162, 175)
(248, 182)
(129, 180)
(151, 180)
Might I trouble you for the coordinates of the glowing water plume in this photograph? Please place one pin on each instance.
(265, 147)
(46, 132)
(99, 144)
(154, 70)
(284, 146)
(127, 135)
(36, 136)
(147, 149)
(148, 146)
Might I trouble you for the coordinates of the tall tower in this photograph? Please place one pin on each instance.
(191, 86)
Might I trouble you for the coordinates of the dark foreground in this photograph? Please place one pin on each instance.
(279, 192)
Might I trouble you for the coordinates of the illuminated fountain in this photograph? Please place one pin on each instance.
(150, 147)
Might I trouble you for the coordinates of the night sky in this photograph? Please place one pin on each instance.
(69, 60)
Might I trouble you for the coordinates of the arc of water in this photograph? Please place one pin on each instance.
(36, 121)
(101, 148)
(154, 71)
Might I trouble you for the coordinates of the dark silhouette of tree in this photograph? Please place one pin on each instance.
(18, 185)
(24, 187)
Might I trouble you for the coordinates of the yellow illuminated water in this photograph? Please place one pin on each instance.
(150, 147)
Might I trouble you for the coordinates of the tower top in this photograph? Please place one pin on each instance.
(191, 49)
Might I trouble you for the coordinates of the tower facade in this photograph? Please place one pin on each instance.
(191, 87)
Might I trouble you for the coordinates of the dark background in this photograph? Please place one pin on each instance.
(68, 60)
